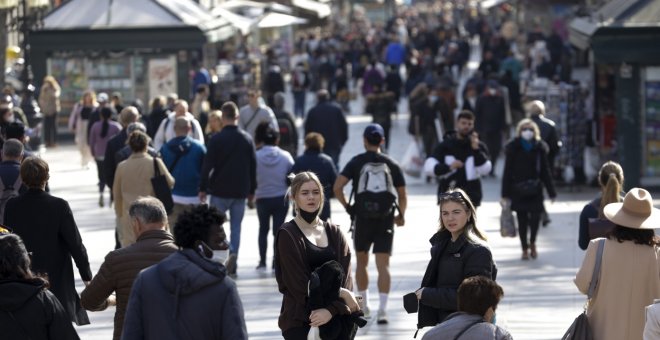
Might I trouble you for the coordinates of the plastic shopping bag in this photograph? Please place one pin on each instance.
(413, 160)
(507, 220)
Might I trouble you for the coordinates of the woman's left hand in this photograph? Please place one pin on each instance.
(349, 299)
(319, 317)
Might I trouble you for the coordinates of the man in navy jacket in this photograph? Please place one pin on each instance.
(229, 174)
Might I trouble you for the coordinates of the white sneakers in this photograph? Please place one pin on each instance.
(381, 317)
(364, 308)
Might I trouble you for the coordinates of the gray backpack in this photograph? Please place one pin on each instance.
(7, 193)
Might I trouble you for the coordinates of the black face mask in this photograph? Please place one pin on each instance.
(309, 217)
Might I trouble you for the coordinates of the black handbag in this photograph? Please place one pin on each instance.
(528, 188)
(580, 329)
(162, 189)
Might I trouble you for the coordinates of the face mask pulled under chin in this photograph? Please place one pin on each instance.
(218, 256)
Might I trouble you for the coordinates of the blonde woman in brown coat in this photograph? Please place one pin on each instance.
(49, 102)
(630, 271)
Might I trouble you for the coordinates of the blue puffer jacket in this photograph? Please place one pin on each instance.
(187, 169)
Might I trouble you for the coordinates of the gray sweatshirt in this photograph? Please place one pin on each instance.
(273, 165)
(250, 118)
(457, 322)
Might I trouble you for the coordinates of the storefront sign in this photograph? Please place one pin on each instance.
(162, 76)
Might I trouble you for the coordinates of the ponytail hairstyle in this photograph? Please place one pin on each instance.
(106, 113)
(610, 178)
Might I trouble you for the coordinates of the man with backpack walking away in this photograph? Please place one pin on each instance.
(377, 183)
(287, 126)
(10, 173)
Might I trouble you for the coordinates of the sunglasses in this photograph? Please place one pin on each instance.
(450, 195)
(527, 129)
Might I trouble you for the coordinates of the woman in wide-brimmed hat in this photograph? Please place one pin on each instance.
(630, 270)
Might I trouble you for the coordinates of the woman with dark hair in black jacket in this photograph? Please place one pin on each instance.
(28, 310)
(458, 251)
(526, 172)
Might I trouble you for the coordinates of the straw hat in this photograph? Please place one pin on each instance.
(636, 211)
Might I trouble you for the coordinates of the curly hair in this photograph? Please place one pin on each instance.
(638, 236)
(194, 225)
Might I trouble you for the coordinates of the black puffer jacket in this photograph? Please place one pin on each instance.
(451, 263)
(30, 311)
(460, 149)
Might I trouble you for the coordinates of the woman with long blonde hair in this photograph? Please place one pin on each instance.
(78, 122)
(610, 178)
(49, 103)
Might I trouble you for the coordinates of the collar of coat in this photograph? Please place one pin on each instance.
(443, 238)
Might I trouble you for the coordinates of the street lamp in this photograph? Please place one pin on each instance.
(28, 16)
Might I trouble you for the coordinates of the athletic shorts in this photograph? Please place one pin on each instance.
(379, 232)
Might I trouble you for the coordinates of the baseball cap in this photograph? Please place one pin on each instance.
(102, 97)
(374, 133)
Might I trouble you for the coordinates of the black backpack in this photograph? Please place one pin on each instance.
(287, 132)
(7, 193)
(375, 195)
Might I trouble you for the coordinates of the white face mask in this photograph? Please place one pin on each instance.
(492, 92)
(527, 135)
(220, 256)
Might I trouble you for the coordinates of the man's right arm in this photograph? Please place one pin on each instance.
(159, 139)
(95, 296)
(435, 165)
(338, 189)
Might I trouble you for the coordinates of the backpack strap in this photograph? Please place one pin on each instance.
(468, 327)
(254, 115)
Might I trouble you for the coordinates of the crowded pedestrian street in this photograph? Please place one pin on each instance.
(425, 169)
(540, 299)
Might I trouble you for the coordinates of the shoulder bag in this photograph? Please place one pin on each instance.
(161, 188)
(599, 227)
(580, 329)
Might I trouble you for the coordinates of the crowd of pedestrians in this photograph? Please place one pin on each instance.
(172, 273)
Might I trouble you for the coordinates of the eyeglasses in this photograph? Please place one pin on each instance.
(450, 195)
(527, 129)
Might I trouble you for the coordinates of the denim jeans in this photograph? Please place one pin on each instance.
(236, 208)
(275, 207)
(299, 99)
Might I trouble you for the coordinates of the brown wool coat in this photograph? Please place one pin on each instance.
(120, 269)
(629, 281)
(292, 273)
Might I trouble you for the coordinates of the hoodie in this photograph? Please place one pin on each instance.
(28, 310)
(474, 327)
(187, 170)
(273, 165)
(184, 297)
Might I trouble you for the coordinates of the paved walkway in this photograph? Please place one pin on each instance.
(540, 299)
